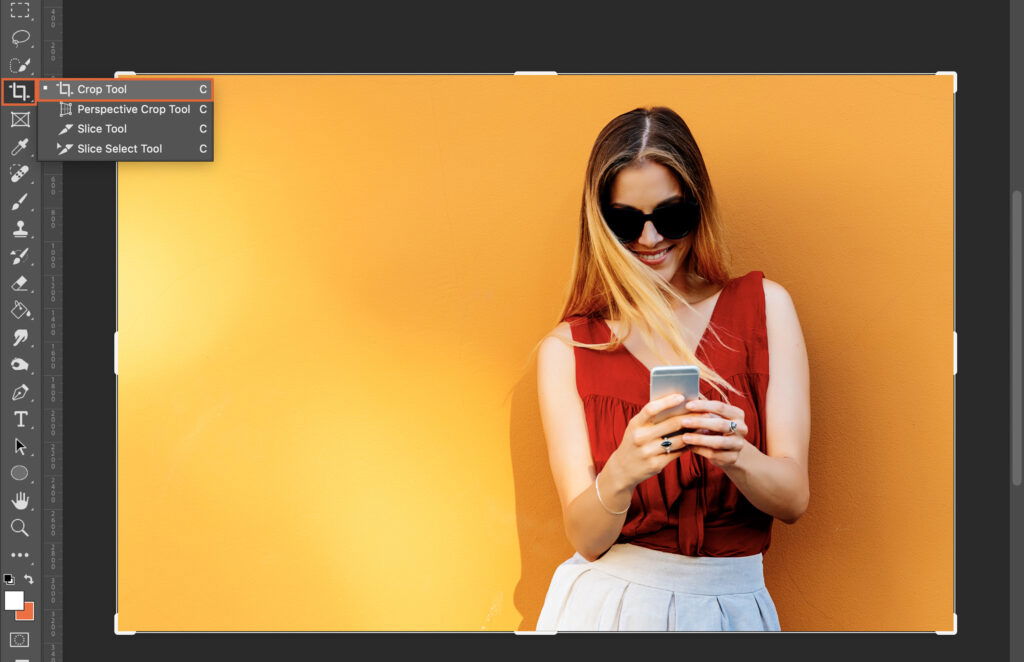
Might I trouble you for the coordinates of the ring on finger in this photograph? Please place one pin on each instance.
(732, 427)
(666, 443)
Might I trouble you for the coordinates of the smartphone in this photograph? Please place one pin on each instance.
(667, 379)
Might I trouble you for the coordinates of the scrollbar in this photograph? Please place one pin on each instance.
(1015, 340)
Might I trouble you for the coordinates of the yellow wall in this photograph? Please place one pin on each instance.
(318, 330)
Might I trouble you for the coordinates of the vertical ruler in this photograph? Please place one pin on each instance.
(52, 337)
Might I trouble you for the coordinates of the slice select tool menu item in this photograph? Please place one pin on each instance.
(121, 119)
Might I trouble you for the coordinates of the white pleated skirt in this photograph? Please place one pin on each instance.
(639, 589)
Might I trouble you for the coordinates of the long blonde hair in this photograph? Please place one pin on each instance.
(607, 281)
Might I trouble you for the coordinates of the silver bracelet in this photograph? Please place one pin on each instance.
(597, 488)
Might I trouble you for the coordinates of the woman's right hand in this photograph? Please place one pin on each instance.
(640, 455)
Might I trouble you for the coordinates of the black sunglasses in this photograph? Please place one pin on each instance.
(673, 220)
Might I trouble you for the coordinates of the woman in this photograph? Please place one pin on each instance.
(669, 528)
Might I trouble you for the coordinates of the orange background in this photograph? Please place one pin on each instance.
(318, 331)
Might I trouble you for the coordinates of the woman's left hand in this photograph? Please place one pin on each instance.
(711, 421)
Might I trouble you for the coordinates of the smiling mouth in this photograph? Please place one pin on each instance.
(652, 257)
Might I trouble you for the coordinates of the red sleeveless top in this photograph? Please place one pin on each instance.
(691, 507)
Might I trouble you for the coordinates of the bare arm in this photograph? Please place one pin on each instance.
(590, 528)
(777, 483)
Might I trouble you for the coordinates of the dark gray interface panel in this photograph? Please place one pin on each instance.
(46, 120)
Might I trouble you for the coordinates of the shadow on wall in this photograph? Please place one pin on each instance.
(542, 541)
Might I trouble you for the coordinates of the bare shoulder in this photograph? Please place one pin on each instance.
(781, 320)
(556, 350)
(777, 301)
(561, 331)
